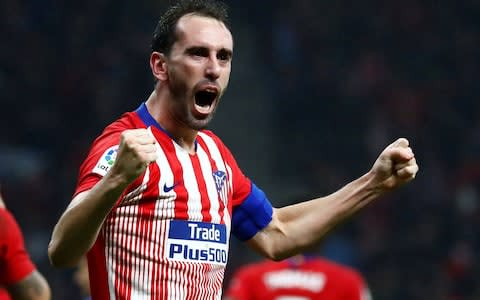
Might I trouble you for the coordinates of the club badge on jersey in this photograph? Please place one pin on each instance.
(197, 242)
(220, 178)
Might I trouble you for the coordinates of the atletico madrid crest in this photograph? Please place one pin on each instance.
(220, 178)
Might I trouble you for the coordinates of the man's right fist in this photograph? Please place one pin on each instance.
(395, 166)
(136, 151)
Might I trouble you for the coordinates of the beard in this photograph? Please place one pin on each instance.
(182, 101)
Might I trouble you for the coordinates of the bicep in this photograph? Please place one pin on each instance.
(78, 199)
(265, 240)
(288, 232)
(32, 287)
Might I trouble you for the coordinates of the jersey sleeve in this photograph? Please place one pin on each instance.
(15, 261)
(101, 156)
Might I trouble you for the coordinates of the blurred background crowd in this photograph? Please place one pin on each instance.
(318, 89)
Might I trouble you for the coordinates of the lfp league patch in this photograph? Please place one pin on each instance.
(197, 242)
(106, 161)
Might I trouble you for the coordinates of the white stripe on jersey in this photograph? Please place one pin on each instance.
(214, 151)
(163, 290)
(230, 174)
(112, 253)
(207, 172)
(221, 166)
(227, 217)
(190, 182)
(166, 176)
(164, 210)
(140, 288)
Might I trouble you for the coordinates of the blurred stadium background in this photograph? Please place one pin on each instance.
(318, 88)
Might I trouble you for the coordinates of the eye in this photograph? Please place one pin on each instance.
(198, 51)
(224, 55)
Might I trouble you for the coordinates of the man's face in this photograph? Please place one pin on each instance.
(199, 67)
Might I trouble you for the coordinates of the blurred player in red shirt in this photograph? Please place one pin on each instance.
(301, 277)
(82, 279)
(19, 278)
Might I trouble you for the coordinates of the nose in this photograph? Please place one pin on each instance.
(212, 70)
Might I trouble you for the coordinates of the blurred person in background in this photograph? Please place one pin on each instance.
(158, 195)
(301, 277)
(19, 277)
(81, 278)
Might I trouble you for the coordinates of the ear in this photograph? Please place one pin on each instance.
(158, 64)
(2, 204)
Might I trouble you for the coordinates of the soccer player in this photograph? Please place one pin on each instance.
(158, 195)
(81, 278)
(301, 277)
(19, 278)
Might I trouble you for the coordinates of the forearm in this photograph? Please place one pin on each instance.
(78, 227)
(297, 227)
(33, 287)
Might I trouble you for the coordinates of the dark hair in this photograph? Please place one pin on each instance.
(164, 35)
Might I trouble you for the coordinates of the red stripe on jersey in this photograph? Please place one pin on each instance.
(97, 270)
(192, 293)
(241, 184)
(202, 187)
(146, 214)
(152, 193)
(162, 272)
(122, 261)
(166, 143)
(119, 270)
(204, 146)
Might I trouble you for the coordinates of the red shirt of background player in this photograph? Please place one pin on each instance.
(299, 278)
(15, 263)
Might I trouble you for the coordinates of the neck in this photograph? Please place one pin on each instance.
(183, 135)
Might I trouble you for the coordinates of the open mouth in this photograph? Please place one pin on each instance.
(204, 100)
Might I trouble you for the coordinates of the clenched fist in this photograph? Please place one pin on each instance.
(136, 151)
(395, 166)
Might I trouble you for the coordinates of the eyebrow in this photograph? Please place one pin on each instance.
(194, 49)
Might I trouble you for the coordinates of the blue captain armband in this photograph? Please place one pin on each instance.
(254, 214)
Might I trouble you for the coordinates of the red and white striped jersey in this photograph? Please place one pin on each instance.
(167, 236)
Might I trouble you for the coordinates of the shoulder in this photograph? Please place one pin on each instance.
(103, 149)
(129, 120)
(211, 141)
(8, 224)
(110, 136)
(5, 224)
(334, 269)
(11, 235)
(208, 135)
(32, 286)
